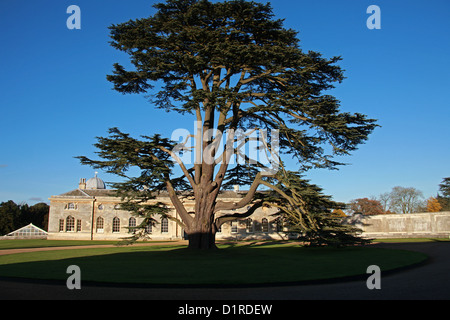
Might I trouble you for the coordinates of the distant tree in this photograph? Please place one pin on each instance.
(433, 205)
(444, 202)
(339, 213)
(9, 215)
(444, 194)
(405, 200)
(444, 187)
(385, 200)
(36, 214)
(14, 216)
(366, 206)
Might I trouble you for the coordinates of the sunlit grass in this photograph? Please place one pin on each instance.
(412, 240)
(42, 243)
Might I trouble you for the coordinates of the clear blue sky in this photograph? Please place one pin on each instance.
(55, 99)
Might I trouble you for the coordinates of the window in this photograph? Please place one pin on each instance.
(265, 225)
(116, 225)
(78, 225)
(61, 225)
(71, 206)
(132, 225)
(164, 225)
(70, 224)
(234, 226)
(117, 207)
(27, 231)
(148, 228)
(99, 225)
(279, 225)
(219, 229)
(249, 225)
(101, 207)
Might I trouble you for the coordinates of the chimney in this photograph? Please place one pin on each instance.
(82, 184)
(236, 188)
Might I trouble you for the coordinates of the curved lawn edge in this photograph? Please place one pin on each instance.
(163, 255)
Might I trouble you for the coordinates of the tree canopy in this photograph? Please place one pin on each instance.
(366, 206)
(444, 194)
(242, 77)
(14, 216)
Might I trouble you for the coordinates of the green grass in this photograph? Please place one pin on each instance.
(33, 243)
(412, 240)
(233, 264)
(20, 244)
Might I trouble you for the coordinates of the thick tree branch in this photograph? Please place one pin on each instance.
(181, 164)
(222, 205)
(236, 216)
(178, 204)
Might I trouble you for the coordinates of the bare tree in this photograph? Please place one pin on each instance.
(405, 200)
(385, 201)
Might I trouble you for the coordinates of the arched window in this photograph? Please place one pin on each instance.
(101, 207)
(116, 225)
(148, 228)
(100, 225)
(234, 226)
(279, 225)
(164, 225)
(249, 225)
(265, 225)
(71, 206)
(70, 224)
(132, 225)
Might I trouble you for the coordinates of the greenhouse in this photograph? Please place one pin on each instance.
(28, 232)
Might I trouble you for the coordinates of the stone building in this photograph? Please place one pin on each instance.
(92, 212)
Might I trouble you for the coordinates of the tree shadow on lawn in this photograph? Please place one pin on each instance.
(234, 266)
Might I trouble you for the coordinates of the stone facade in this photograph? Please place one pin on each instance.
(92, 212)
(412, 225)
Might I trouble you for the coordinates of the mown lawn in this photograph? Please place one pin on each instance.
(411, 240)
(231, 265)
(33, 243)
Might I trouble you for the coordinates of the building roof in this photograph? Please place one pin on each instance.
(87, 193)
(95, 183)
(95, 187)
(28, 230)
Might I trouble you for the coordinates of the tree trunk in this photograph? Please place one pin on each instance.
(202, 233)
(202, 240)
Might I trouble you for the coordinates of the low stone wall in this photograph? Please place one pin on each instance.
(412, 225)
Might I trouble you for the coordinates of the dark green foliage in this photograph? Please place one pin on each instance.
(305, 210)
(332, 231)
(14, 216)
(233, 67)
(444, 196)
(444, 187)
(263, 77)
(240, 175)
